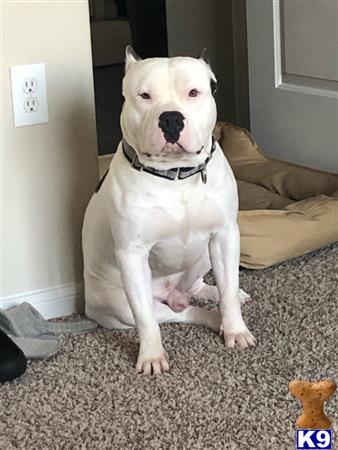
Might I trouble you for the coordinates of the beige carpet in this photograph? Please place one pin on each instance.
(89, 397)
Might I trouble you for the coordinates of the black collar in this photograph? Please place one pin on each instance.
(175, 173)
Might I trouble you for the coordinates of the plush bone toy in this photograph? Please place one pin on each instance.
(313, 395)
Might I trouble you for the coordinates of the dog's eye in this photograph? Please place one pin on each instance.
(193, 93)
(145, 96)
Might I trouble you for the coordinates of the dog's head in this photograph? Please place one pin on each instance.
(169, 110)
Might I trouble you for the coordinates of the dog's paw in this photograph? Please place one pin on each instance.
(147, 365)
(237, 336)
(243, 297)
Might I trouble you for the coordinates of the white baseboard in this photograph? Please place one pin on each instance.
(51, 302)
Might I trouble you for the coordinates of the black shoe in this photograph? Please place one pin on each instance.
(13, 362)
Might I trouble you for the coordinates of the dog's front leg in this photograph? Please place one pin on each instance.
(136, 277)
(224, 249)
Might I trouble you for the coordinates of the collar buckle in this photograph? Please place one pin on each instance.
(204, 173)
(136, 163)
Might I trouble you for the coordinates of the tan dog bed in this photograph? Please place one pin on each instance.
(286, 210)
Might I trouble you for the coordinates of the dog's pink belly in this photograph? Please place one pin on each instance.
(175, 255)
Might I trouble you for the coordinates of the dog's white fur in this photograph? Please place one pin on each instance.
(148, 241)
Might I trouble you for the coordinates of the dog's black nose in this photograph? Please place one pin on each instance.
(171, 123)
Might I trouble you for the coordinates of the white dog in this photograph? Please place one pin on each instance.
(165, 213)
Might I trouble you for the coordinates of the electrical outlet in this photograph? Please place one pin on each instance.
(29, 94)
(31, 104)
(30, 85)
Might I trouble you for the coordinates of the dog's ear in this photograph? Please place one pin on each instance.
(204, 56)
(213, 82)
(213, 85)
(131, 57)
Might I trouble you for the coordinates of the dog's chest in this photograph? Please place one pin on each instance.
(175, 254)
(181, 231)
(183, 215)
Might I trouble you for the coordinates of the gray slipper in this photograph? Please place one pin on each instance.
(37, 348)
(24, 320)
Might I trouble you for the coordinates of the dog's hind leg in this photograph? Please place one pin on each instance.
(111, 310)
(191, 314)
(193, 285)
(211, 293)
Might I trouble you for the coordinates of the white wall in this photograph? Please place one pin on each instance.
(48, 171)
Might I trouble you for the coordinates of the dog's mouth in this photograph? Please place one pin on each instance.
(186, 151)
(172, 151)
